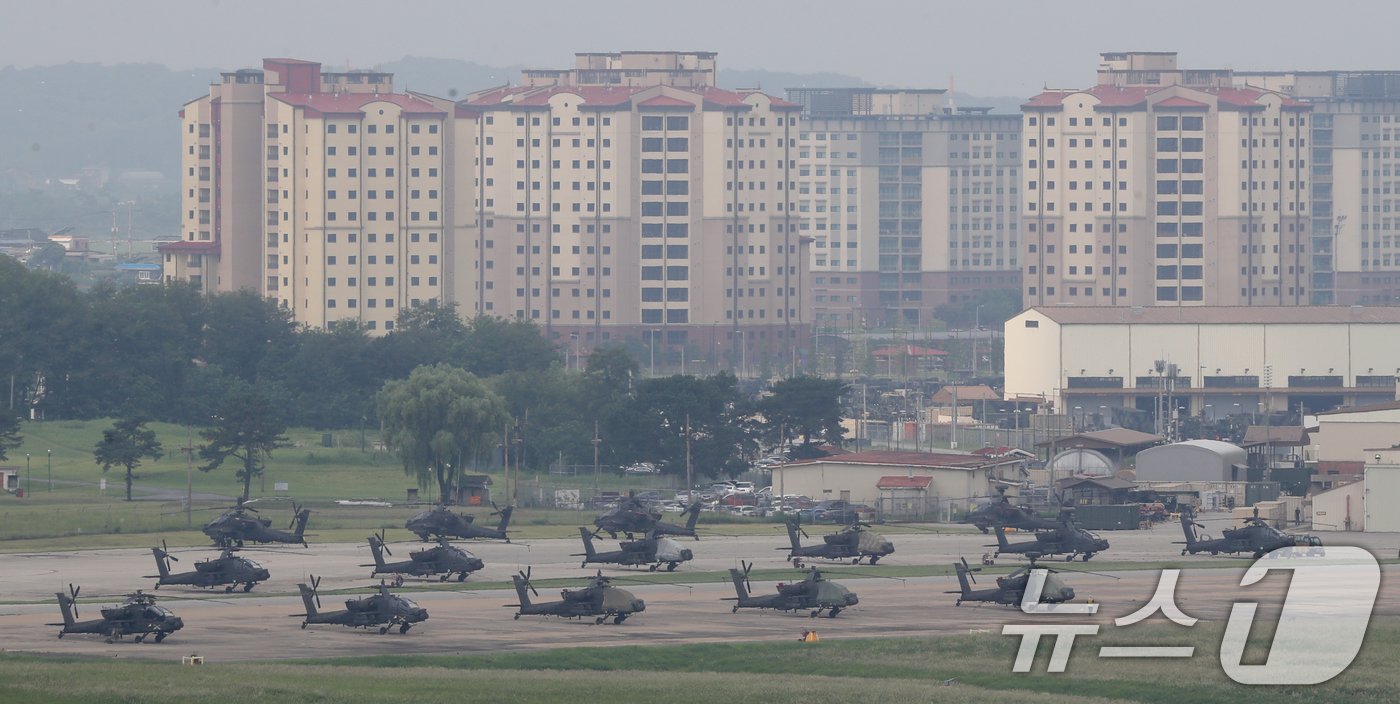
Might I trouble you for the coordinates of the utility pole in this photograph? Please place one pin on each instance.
(689, 479)
(596, 467)
(953, 444)
(189, 477)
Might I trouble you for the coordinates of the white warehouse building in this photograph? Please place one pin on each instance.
(1203, 360)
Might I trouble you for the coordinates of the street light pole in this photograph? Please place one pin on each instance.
(651, 337)
(50, 470)
(976, 326)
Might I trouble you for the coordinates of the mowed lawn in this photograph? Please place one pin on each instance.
(969, 668)
(72, 513)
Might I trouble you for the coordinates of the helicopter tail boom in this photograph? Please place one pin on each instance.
(588, 550)
(308, 599)
(65, 604)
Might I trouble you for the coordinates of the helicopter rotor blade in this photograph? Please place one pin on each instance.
(972, 578)
(316, 589)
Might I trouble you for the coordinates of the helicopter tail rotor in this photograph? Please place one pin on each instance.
(525, 576)
(315, 589)
(747, 566)
(970, 576)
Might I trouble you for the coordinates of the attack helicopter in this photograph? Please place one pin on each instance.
(1011, 589)
(856, 542)
(653, 551)
(1004, 513)
(1067, 539)
(813, 593)
(438, 522)
(384, 609)
(1256, 536)
(443, 560)
(138, 615)
(631, 516)
(235, 527)
(227, 570)
(599, 601)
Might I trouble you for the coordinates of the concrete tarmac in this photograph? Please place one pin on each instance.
(466, 621)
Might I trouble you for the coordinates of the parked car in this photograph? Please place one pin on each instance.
(840, 512)
(743, 487)
(641, 468)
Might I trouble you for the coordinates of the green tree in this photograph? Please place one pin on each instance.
(125, 444)
(495, 346)
(556, 407)
(806, 407)
(652, 425)
(9, 432)
(248, 428)
(439, 419)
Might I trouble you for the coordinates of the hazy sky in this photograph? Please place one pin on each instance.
(993, 48)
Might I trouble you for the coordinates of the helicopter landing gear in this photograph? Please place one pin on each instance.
(874, 559)
(814, 614)
(248, 587)
(444, 577)
(1183, 551)
(599, 621)
(160, 636)
(958, 602)
(1086, 556)
(462, 577)
(517, 616)
(140, 637)
(303, 625)
(404, 628)
(1069, 558)
(834, 610)
(734, 610)
(856, 561)
(398, 581)
(797, 562)
(229, 588)
(672, 566)
(583, 564)
(383, 630)
(619, 619)
(652, 568)
(60, 635)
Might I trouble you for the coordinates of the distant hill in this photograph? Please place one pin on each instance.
(61, 119)
(58, 119)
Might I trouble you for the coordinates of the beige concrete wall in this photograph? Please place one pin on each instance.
(827, 480)
(1354, 436)
(1330, 508)
(1382, 492)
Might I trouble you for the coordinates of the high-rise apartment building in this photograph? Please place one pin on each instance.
(328, 192)
(625, 198)
(1354, 179)
(910, 204)
(629, 197)
(1161, 186)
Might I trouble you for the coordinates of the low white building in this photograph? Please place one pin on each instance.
(1193, 460)
(1211, 361)
(954, 479)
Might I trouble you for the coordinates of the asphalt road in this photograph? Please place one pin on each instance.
(464, 621)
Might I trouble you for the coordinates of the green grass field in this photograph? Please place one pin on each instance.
(72, 513)
(836, 671)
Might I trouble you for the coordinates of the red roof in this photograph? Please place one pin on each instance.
(903, 482)
(188, 247)
(1133, 96)
(1180, 102)
(665, 101)
(318, 104)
